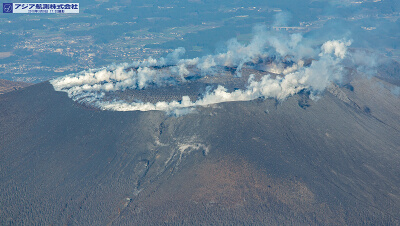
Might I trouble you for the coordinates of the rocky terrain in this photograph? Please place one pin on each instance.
(301, 161)
(7, 86)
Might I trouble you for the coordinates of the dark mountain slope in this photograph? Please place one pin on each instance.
(8, 86)
(331, 161)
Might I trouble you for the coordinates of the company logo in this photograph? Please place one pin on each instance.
(40, 7)
(7, 8)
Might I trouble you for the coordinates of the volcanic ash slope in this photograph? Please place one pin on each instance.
(301, 161)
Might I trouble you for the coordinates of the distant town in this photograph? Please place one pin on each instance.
(61, 44)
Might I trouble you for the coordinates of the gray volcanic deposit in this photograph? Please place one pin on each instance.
(280, 131)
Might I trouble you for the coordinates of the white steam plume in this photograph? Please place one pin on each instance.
(324, 67)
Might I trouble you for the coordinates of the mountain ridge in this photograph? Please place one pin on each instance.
(252, 162)
(8, 86)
